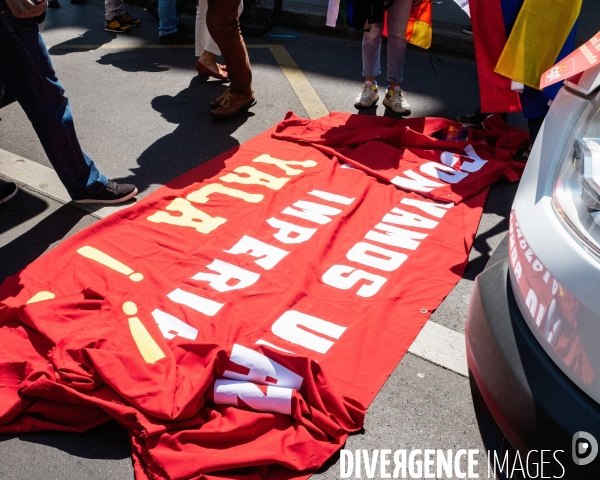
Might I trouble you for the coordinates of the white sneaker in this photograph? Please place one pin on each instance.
(396, 101)
(368, 96)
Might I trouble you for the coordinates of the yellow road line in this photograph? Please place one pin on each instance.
(307, 95)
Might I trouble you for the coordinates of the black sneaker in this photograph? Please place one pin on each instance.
(112, 194)
(468, 30)
(473, 120)
(7, 191)
(176, 38)
(53, 4)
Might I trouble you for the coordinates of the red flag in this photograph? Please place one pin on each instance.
(237, 321)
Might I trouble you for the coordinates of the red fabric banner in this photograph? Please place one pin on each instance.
(435, 157)
(238, 320)
(489, 36)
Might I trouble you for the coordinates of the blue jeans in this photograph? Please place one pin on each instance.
(27, 73)
(398, 16)
(167, 17)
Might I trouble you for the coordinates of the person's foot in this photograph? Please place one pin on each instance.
(176, 38)
(218, 72)
(7, 191)
(115, 26)
(473, 120)
(113, 193)
(77, 2)
(217, 101)
(54, 4)
(368, 96)
(128, 20)
(468, 30)
(396, 101)
(233, 105)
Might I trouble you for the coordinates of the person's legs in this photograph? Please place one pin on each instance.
(201, 31)
(27, 72)
(224, 28)
(371, 52)
(167, 17)
(113, 8)
(398, 16)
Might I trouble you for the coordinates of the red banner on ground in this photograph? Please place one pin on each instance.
(237, 321)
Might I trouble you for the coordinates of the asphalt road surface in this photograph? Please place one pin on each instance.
(142, 114)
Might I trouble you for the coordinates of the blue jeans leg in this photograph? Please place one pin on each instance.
(27, 73)
(398, 16)
(167, 17)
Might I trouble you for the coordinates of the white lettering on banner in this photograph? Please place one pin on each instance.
(477, 163)
(288, 328)
(285, 164)
(443, 172)
(227, 272)
(395, 236)
(332, 197)
(345, 277)
(255, 177)
(172, 327)
(385, 259)
(261, 369)
(415, 182)
(437, 210)
(449, 158)
(408, 219)
(313, 212)
(268, 255)
(196, 302)
(268, 399)
(286, 229)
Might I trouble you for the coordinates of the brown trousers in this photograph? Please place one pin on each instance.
(224, 28)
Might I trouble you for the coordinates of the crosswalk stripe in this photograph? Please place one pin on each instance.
(442, 346)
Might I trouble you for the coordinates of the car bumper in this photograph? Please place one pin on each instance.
(522, 400)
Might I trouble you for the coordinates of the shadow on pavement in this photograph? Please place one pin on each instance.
(106, 442)
(25, 248)
(195, 140)
(23, 207)
(496, 204)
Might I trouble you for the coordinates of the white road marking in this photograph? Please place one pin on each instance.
(442, 346)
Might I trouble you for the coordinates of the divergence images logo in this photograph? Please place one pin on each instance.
(585, 448)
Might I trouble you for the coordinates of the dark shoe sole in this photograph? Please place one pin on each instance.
(237, 113)
(360, 106)
(108, 202)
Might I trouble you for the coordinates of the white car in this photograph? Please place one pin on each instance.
(533, 326)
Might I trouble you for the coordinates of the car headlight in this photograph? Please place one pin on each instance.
(576, 194)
